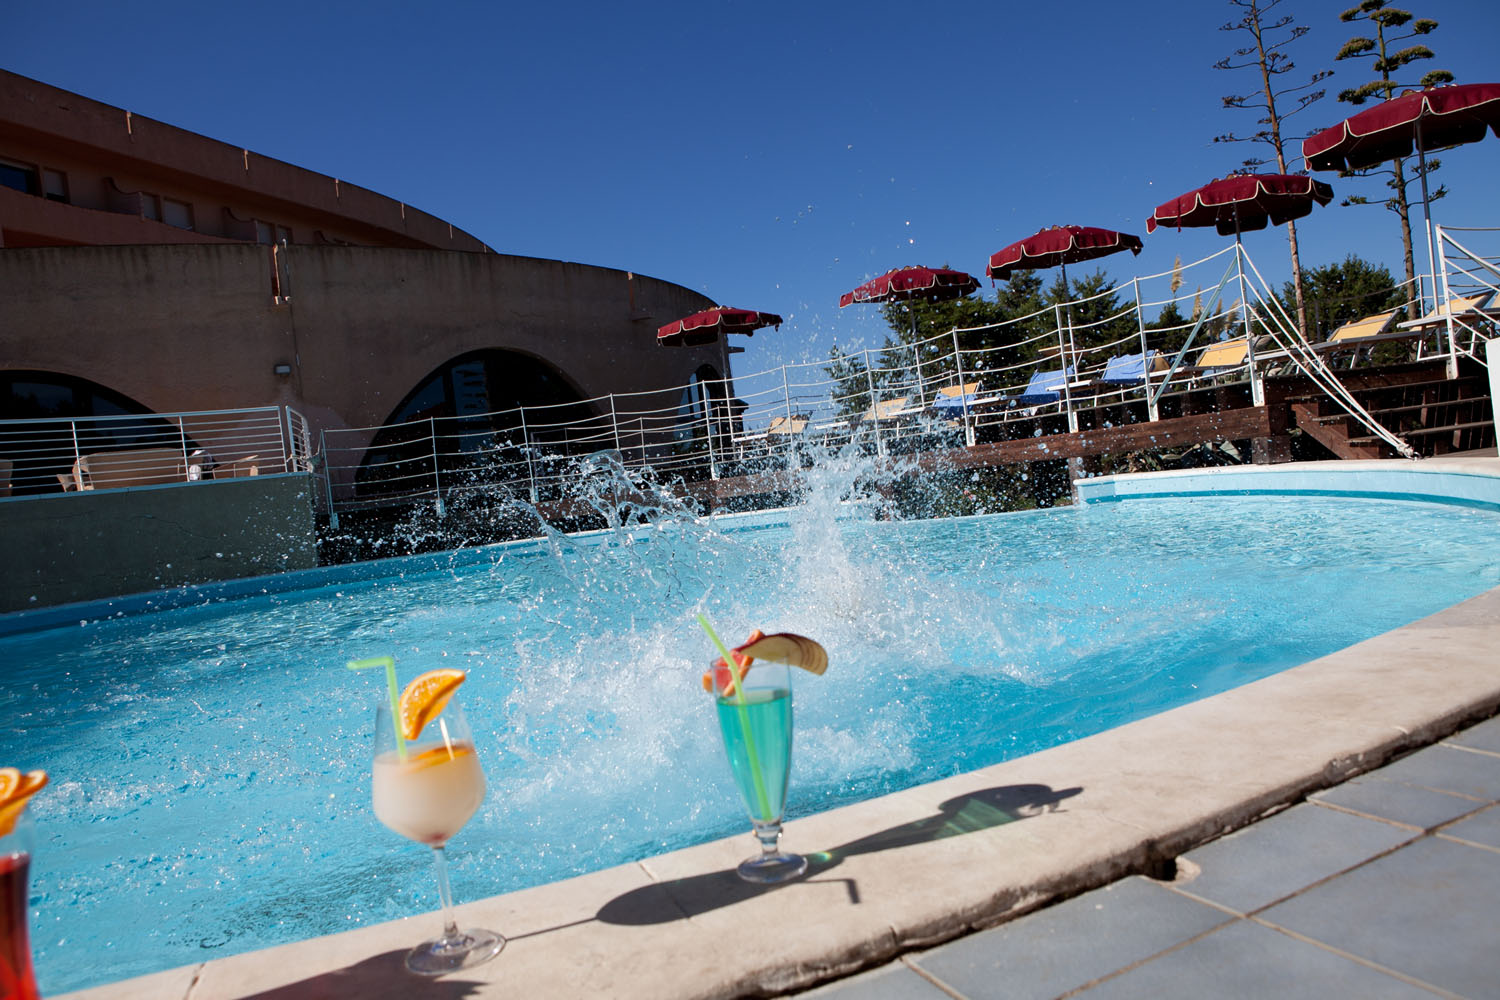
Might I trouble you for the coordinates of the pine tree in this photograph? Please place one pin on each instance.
(1386, 62)
(851, 381)
(1266, 55)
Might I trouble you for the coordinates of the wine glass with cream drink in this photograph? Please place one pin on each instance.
(426, 783)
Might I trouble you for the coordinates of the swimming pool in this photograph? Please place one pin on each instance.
(211, 764)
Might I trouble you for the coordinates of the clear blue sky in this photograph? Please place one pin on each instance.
(772, 154)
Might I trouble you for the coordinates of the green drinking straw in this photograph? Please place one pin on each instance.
(739, 699)
(390, 683)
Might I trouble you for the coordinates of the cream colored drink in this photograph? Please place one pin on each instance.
(429, 796)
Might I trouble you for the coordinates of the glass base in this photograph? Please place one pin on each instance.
(467, 949)
(769, 869)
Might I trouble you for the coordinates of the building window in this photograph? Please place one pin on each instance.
(19, 177)
(177, 213)
(55, 186)
(150, 207)
(264, 232)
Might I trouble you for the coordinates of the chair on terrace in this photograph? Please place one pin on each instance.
(1356, 337)
(105, 470)
(1223, 356)
(1461, 308)
(1131, 369)
(1044, 387)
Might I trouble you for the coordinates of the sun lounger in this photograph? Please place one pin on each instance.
(1131, 369)
(1459, 307)
(1370, 326)
(1044, 387)
(890, 409)
(795, 424)
(1223, 355)
(953, 400)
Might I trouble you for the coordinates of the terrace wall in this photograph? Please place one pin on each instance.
(108, 543)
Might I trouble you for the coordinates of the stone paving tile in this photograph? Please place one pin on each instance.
(1287, 852)
(1065, 946)
(1449, 769)
(889, 982)
(1420, 807)
(1485, 736)
(1246, 960)
(1481, 828)
(1429, 910)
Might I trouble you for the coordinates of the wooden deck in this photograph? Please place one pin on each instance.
(1436, 415)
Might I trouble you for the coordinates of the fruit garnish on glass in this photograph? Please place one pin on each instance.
(16, 790)
(425, 784)
(753, 698)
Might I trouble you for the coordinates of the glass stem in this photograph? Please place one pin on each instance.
(769, 835)
(445, 893)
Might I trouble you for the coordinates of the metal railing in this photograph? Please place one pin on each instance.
(63, 454)
(1133, 347)
(1120, 346)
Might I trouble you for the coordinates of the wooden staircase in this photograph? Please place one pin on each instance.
(1434, 414)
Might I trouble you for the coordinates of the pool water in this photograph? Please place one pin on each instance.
(211, 765)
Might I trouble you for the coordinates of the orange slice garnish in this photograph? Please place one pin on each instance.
(16, 789)
(424, 698)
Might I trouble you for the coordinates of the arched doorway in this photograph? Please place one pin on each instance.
(708, 420)
(39, 449)
(467, 421)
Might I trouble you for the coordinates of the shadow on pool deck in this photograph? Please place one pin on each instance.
(985, 809)
(379, 977)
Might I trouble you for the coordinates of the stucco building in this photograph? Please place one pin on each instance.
(145, 268)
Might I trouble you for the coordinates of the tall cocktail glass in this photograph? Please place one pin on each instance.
(755, 719)
(426, 790)
(16, 978)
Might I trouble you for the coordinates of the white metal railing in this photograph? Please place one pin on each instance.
(55, 454)
(1467, 273)
(952, 389)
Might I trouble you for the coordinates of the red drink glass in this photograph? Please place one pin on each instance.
(16, 979)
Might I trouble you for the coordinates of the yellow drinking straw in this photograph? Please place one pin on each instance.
(739, 699)
(390, 683)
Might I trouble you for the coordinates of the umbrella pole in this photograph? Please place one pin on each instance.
(1432, 281)
(1257, 394)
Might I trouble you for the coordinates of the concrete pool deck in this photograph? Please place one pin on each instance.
(905, 873)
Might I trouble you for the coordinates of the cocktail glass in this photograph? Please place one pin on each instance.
(426, 791)
(756, 721)
(16, 979)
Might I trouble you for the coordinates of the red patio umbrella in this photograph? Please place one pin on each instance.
(706, 326)
(901, 284)
(1059, 246)
(1243, 203)
(1420, 121)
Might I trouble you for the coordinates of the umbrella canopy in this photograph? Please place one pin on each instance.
(1422, 120)
(934, 284)
(706, 326)
(1059, 245)
(1243, 203)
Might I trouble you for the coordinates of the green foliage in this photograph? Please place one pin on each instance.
(851, 380)
(1339, 293)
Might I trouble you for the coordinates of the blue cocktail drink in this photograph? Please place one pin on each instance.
(755, 718)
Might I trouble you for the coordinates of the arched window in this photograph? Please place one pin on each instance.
(39, 452)
(470, 418)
